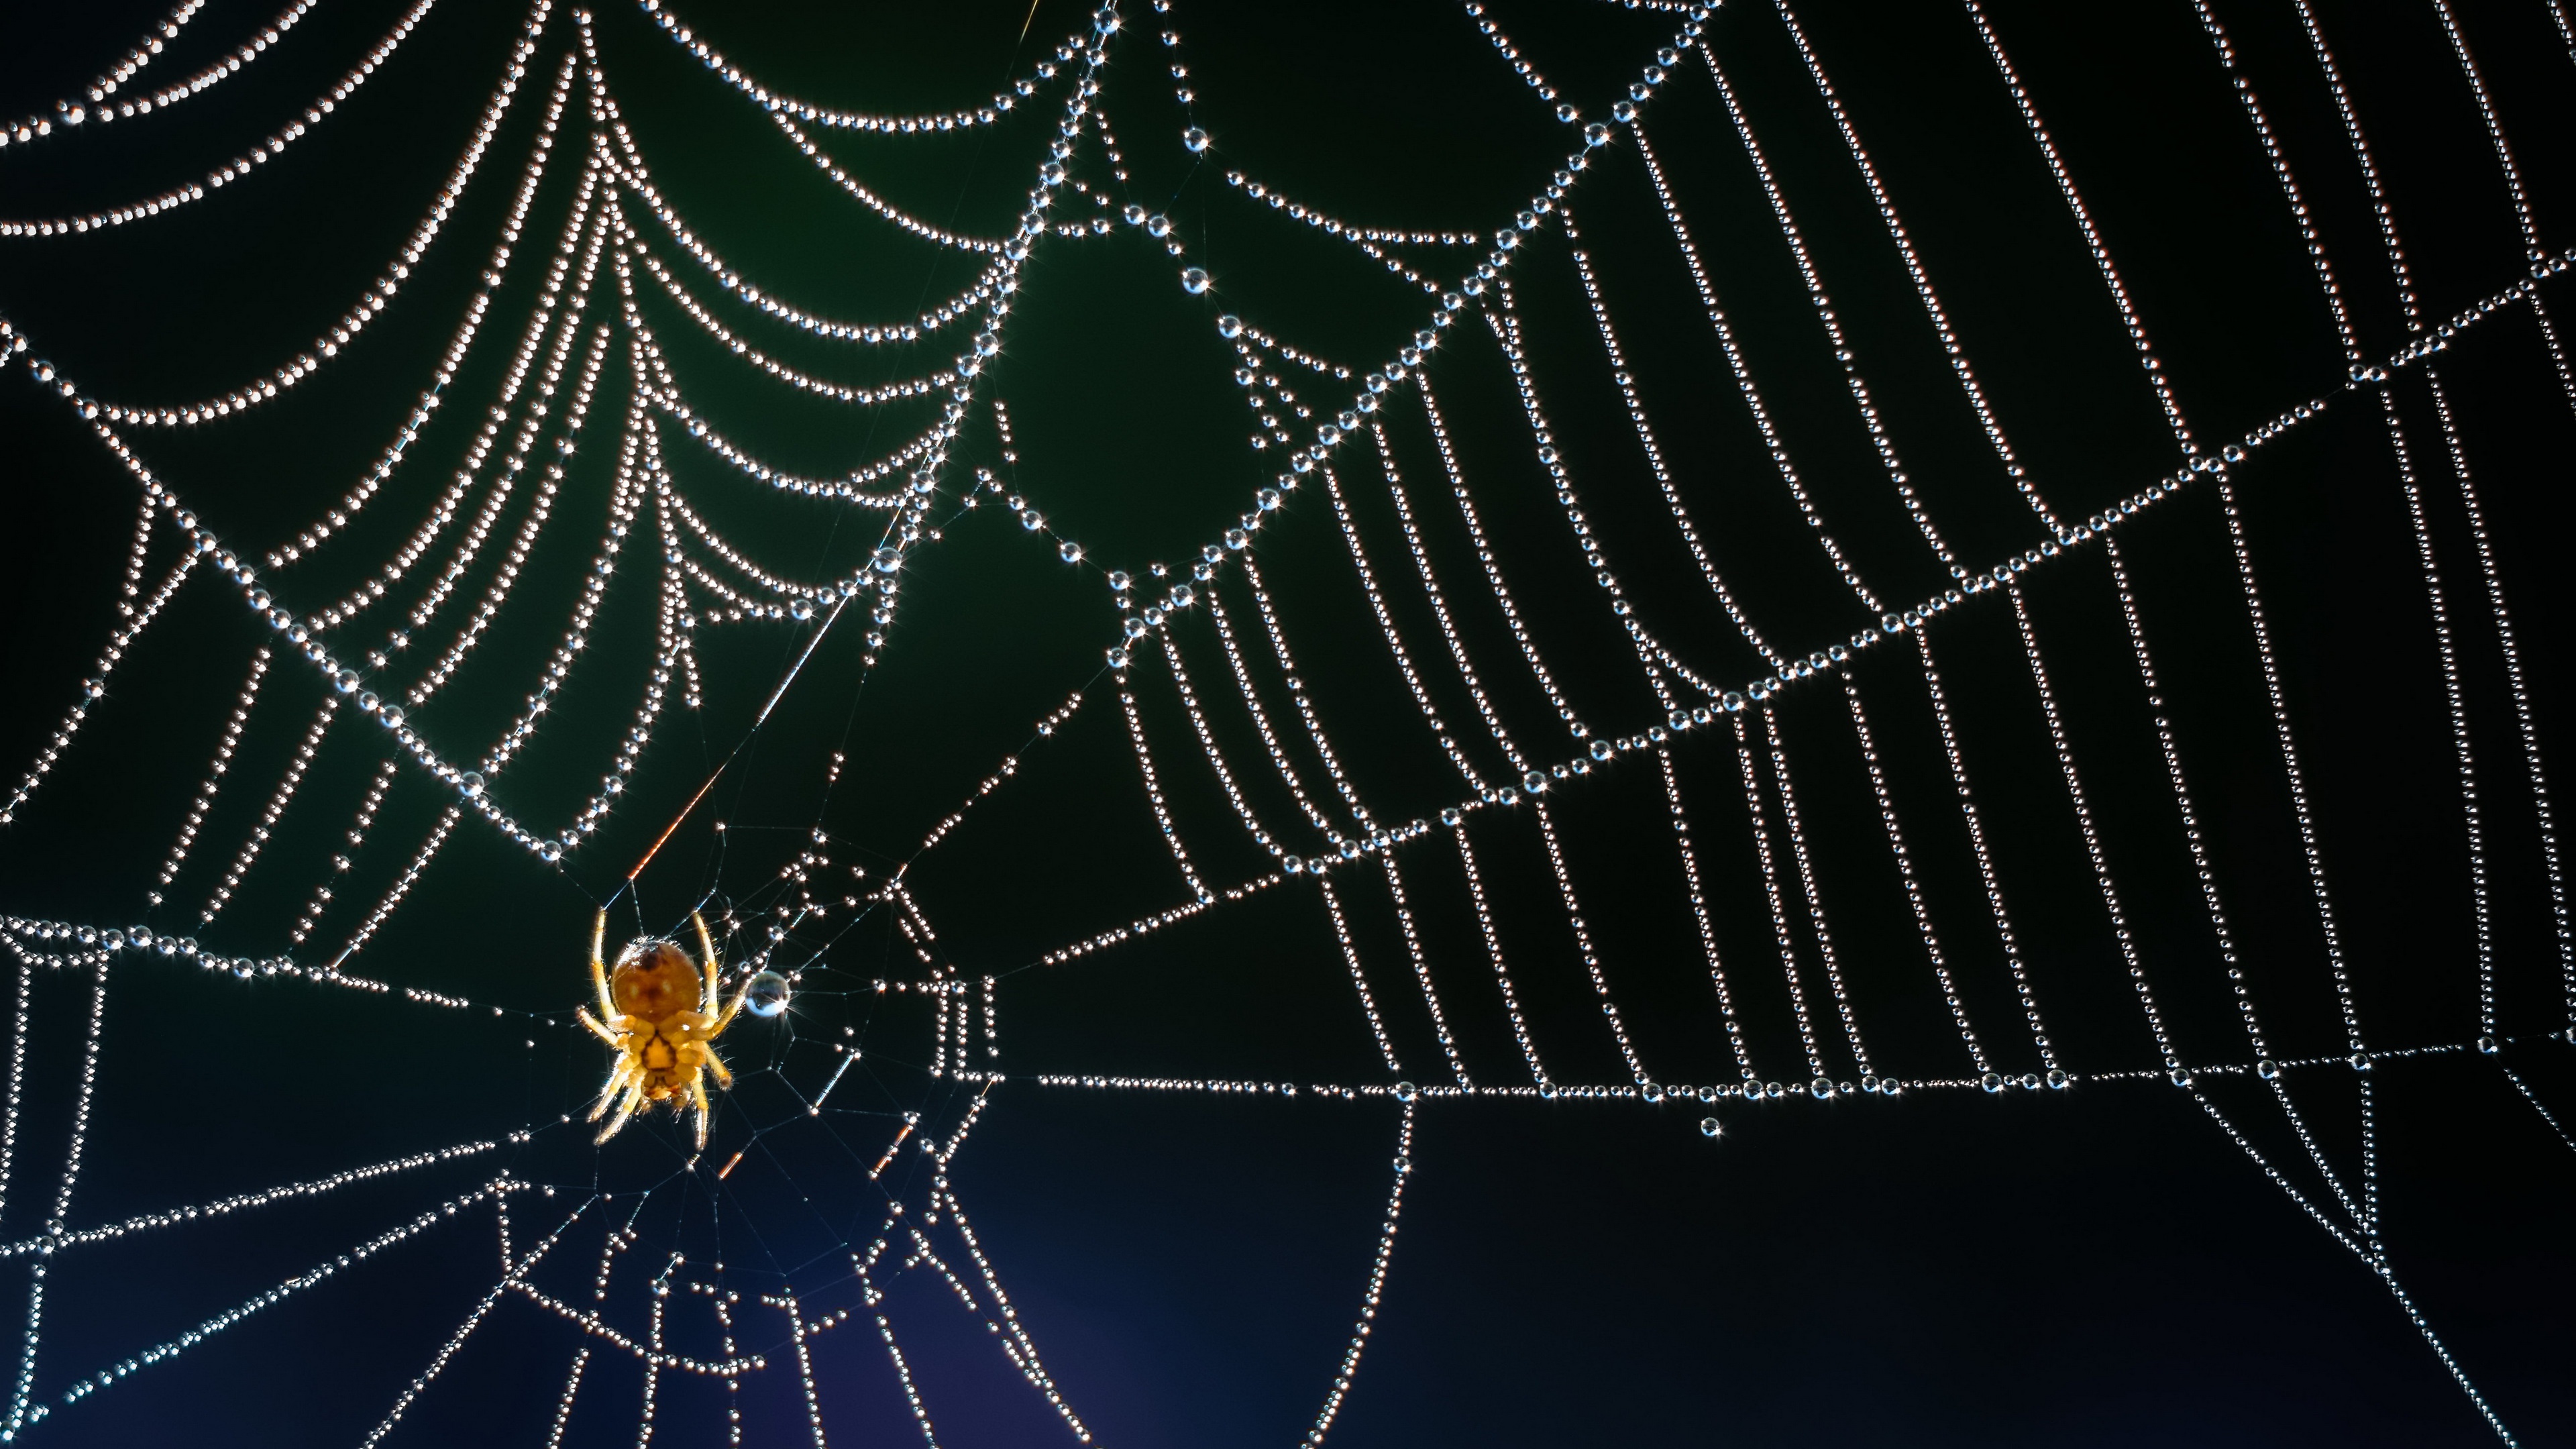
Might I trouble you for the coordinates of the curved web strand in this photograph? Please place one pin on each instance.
(2402, 273)
(141, 54)
(707, 581)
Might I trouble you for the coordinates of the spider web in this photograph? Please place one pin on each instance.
(1701, 720)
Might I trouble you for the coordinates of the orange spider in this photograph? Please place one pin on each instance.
(661, 1043)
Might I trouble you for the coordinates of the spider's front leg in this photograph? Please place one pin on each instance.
(617, 1075)
(698, 1094)
(713, 991)
(597, 1028)
(599, 968)
(625, 1110)
(725, 1018)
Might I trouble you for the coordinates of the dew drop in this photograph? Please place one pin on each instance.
(766, 994)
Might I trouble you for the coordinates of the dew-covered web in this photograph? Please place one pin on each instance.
(1613, 588)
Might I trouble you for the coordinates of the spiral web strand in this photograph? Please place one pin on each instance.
(1725, 713)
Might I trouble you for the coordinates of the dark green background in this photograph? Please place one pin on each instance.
(2100, 1266)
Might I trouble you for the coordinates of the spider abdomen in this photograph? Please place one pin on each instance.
(654, 980)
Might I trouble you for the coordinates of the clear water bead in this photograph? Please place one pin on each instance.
(470, 783)
(1601, 750)
(801, 609)
(766, 994)
(1710, 1127)
(1534, 782)
(1194, 280)
(1069, 551)
(549, 851)
(1195, 138)
(1405, 1092)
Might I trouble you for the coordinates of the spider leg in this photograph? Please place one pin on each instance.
(714, 991)
(724, 1078)
(725, 1018)
(616, 1078)
(599, 968)
(597, 1030)
(698, 1094)
(625, 1111)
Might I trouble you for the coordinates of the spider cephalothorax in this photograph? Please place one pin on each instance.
(658, 1010)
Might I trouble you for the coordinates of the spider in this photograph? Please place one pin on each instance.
(661, 1043)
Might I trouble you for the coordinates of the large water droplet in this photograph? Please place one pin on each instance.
(766, 995)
